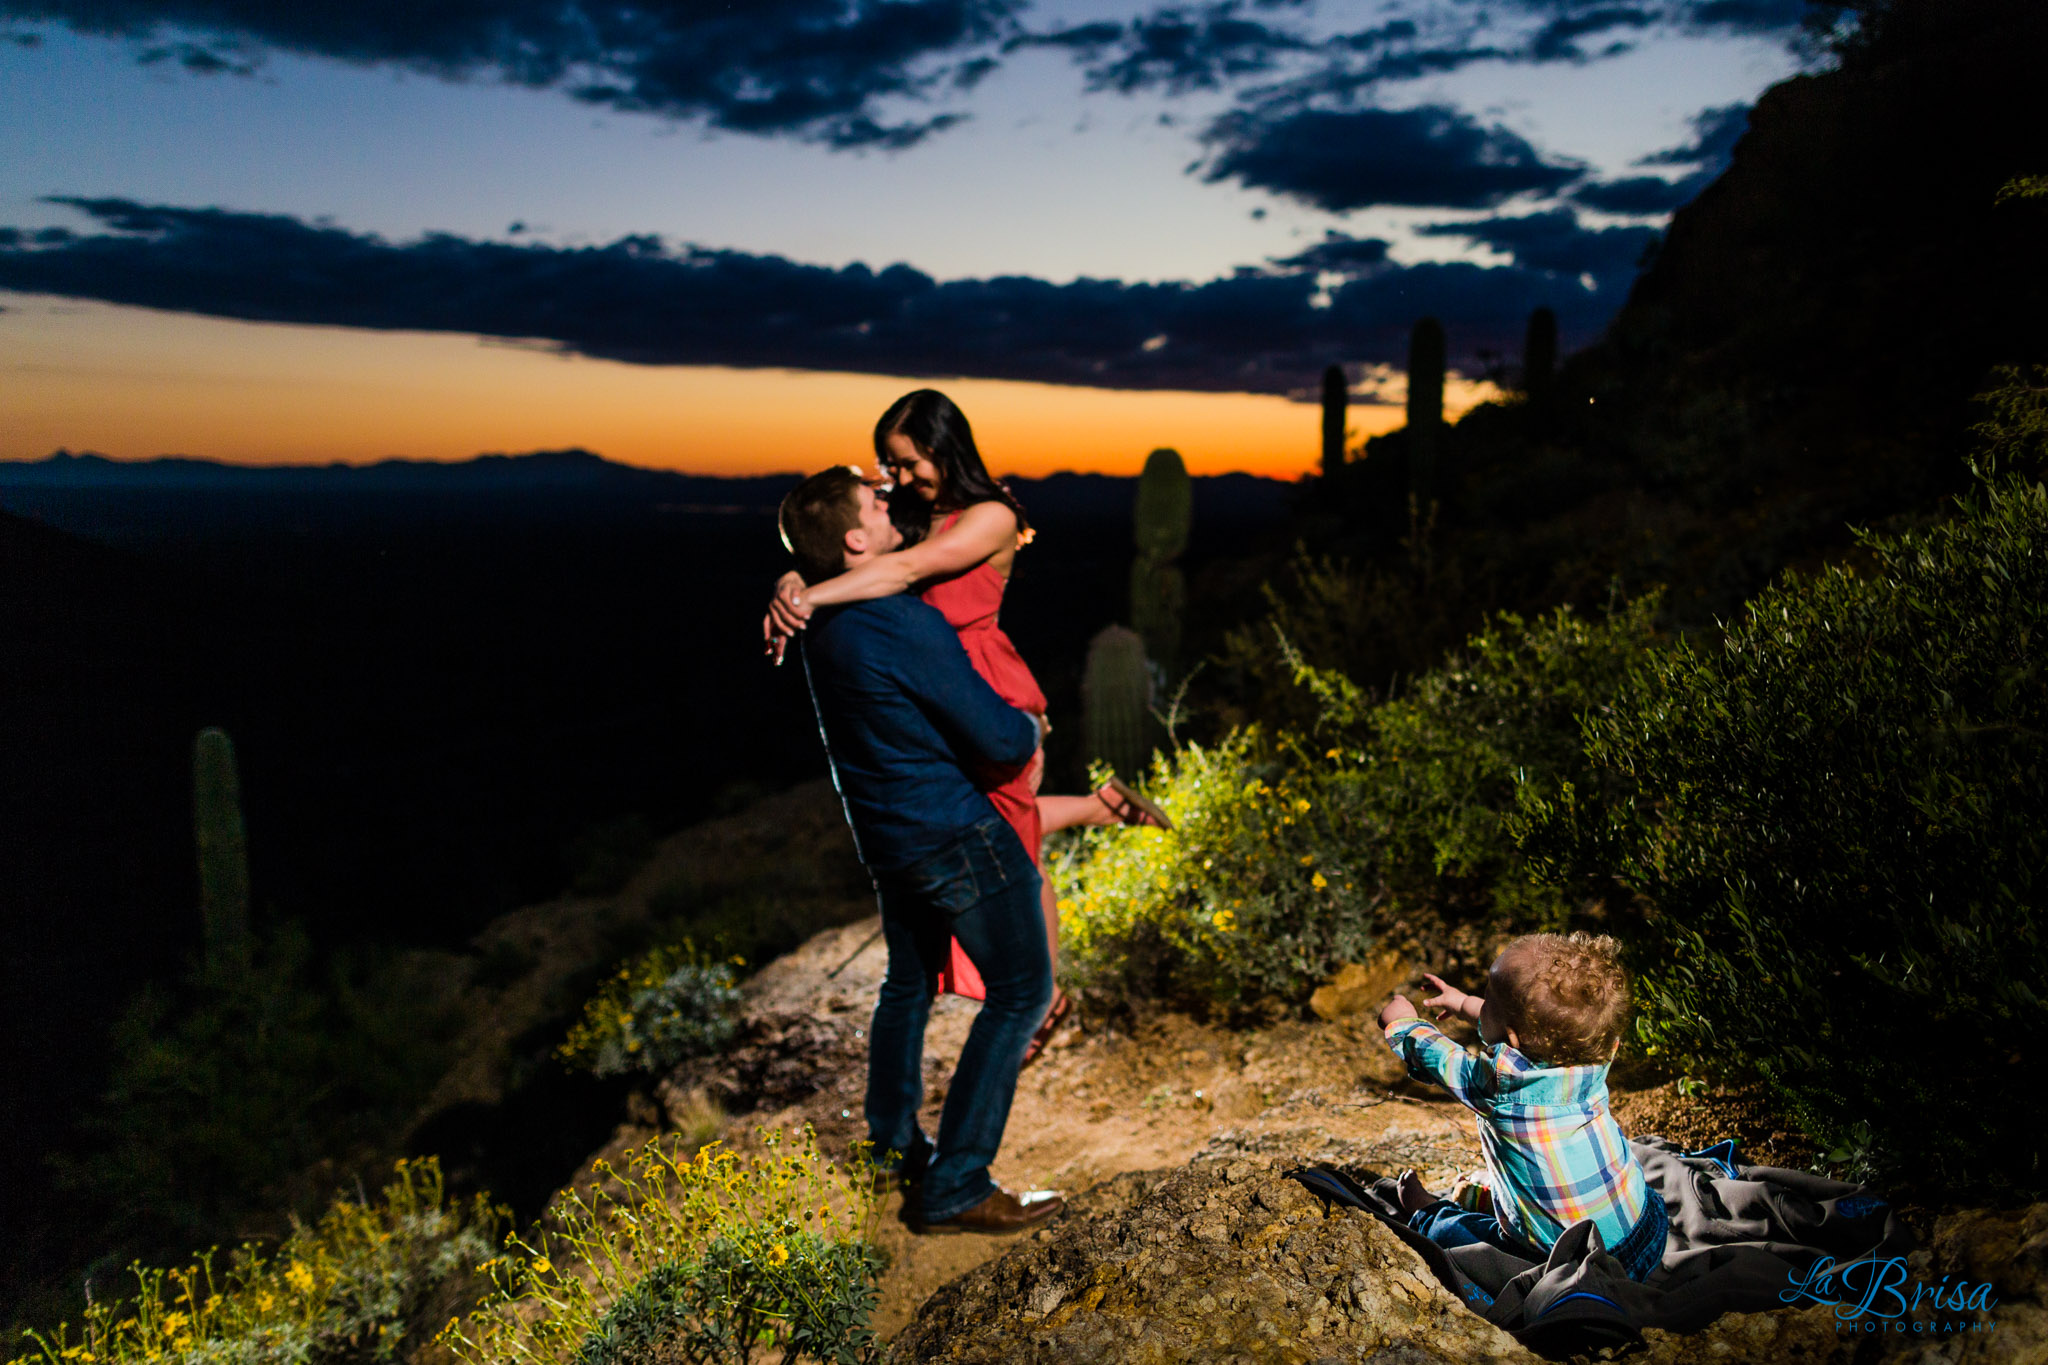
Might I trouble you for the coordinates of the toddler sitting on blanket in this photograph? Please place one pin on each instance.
(1551, 1021)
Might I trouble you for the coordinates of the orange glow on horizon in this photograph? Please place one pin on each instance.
(134, 384)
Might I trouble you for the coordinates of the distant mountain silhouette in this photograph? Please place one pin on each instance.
(178, 496)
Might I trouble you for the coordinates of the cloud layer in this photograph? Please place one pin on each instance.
(814, 68)
(640, 301)
(1434, 156)
(852, 73)
(1715, 133)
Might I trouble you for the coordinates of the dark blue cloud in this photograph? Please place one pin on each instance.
(847, 72)
(1715, 133)
(1431, 156)
(640, 301)
(1641, 194)
(1178, 48)
(1173, 49)
(1767, 17)
(1338, 254)
(1555, 241)
(1558, 40)
(815, 68)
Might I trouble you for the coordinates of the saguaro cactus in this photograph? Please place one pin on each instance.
(1160, 523)
(1425, 403)
(1539, 353)
(1336, 395)
(1116, 698)
(223, 846)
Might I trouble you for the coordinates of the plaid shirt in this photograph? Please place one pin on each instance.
(1555, 1155)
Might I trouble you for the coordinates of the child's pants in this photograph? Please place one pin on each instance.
(1450, 1226)
(1640, 1253)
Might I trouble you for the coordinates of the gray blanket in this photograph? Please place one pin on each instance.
(1741, 1236)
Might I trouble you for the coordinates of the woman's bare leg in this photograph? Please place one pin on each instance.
(1049, 902)
(1064, 812)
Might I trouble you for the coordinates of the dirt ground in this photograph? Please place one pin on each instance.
(1102, 1102)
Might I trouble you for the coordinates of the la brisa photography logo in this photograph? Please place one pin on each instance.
(1873, 1295)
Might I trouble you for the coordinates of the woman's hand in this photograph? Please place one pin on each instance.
(787, 614)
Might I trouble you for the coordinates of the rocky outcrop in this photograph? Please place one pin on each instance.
(1223, 1260)
(778, 1058)
(1227, 1260)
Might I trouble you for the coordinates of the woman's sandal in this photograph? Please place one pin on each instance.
(1130, 808)
(1062, 1006)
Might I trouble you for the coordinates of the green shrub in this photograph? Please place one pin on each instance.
(1378, 625)
(1293, 854)
(225, 1094)
(663, 1008)
(1836, 819)
(348, 1288)
(1444, 762)
(811, 1296)
(2013, 436)
(1259, 891)
(754, 924)
(702, 1259)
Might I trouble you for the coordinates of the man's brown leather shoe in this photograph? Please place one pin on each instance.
(1003, 1213)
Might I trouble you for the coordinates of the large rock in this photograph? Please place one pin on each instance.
(777, 1058)
(1226, 1260)
(1223, 1260)
(1358, 987)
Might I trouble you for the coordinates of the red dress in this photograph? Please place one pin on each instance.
(970, 603)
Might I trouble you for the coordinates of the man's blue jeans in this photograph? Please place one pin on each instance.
(983, 890)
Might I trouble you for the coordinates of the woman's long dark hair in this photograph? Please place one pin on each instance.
(939, 430)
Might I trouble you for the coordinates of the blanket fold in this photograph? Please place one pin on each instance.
(1740, 1237)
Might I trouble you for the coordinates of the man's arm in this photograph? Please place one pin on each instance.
(933, 669)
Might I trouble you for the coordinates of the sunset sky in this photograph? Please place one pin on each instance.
(721, 238)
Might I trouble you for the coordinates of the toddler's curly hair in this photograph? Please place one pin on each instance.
(1564, 995)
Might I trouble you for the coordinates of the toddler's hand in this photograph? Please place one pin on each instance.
(1448, 999)
(1400, 1007)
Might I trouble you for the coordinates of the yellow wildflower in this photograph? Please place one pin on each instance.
(1307, 858)
(1225, 921)
(778, 1254)
(1301, 804)
(1319, 881)
(298, 1278)
(542, 1265)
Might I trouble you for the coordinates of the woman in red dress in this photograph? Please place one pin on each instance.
(962, 531)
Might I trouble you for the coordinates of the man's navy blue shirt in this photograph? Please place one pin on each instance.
(905, 717)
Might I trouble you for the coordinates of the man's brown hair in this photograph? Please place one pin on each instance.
(1564, 995)
(814, 520)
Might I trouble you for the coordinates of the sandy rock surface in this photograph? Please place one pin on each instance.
(1182, 1241)
(1221, 1260)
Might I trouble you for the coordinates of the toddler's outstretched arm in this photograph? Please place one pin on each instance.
(1397, 1009)
(1431, 1057)
(1452, 1000)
